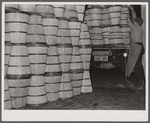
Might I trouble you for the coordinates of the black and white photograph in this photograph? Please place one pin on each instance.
(74, 61)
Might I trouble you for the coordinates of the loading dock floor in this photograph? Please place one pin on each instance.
(106, 95)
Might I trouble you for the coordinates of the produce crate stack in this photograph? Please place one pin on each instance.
(115, 36)
(105, 21)
(65, 55)
(53, 72)
(19, 71)
(37, 51)
(125, 29)
(80, 12)
(125, 32)
(96, 6)
(7, 100)
(105, 35)
(71, 13)
(93, 16)
(8, 45)
(85, 48)
(95, 32)
(27, 8)
(59, 10)
(48, 48)
(124, 14)
(45, 10)
(114, 14)
(11, 8)
(96, 36)
(76, 67)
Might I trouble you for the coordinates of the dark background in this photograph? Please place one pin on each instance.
(137, 9)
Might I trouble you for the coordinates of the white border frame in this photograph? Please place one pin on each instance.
(75, 115)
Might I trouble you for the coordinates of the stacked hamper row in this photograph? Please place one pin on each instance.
(11, 8)
(27, 8)
(97, 17)
(85, 53)
(125, 32)
(76, 73)
(105, 20)
(95, 30)
(125, 29)
(111, 15)
(80, 12)
(76, 67)
(7, 100)
(37, 51)
(124, 14)
(65, 54)
(8, 45)
(19, 72)
(106, 34)
(94, 17)
(45, 10)
(59, 10)
(115, 16)
(96, 36)
(105, 23)
(115, 36)
(53, 72)
(70, 13)
(49, 54)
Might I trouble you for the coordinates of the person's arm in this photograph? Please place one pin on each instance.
(133, 13)
(130, 24)
(130, 39)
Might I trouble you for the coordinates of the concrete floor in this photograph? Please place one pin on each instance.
(106, 95)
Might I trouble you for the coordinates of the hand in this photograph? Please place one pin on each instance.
(128, 5)
(131, 7)
(128, 18)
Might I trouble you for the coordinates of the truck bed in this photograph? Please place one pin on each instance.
(111, 46)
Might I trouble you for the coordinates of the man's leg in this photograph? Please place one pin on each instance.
(138, 74)
(139, 71)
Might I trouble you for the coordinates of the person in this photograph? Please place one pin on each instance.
(137, 77)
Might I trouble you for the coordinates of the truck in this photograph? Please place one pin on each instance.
(108, 55)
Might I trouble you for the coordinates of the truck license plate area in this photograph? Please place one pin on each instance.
(100, 58)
